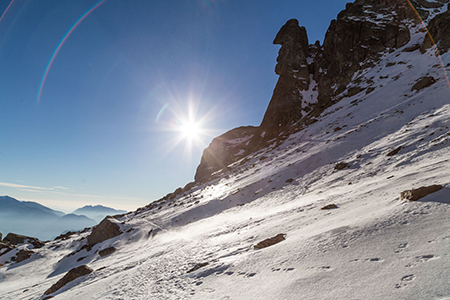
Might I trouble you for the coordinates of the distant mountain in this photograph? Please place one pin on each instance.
(97, 212)
(24, 217)
(36, 220)
(69, 222)
(44, 208)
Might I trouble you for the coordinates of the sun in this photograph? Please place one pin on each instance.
(190, 130)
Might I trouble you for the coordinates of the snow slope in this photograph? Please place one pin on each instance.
(373, 246)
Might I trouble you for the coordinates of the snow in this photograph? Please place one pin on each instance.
(373, 246)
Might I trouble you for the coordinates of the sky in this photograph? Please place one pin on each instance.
(97, 97)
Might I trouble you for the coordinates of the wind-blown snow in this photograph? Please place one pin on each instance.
(373, 246)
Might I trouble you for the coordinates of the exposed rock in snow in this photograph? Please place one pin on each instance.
(270, 241)
(329, 206)
(70, 276)
(22, 255)
(106, 251)
(17, 239)
(341, 166)
(416, 194)
(105, 230)
(423, 82)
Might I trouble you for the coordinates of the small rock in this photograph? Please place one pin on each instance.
(270, 241)
(341, 166)
(70, 276)
(395, 151)
(416, 194)
(198, 266)
(290, 180)
(330, 206)
(106, 251)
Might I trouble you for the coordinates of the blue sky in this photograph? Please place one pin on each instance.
(99, 124)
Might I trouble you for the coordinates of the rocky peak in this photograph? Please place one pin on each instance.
(314, 77)
(286, 106)
(294, 50)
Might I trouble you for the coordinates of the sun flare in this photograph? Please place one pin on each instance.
(190, 130)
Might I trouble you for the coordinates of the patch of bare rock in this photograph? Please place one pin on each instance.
(105, 230)
(270, 241)
(416, 194)
(329, 206)
(70, 276)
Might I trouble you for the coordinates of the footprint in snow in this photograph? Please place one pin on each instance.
(401, 247)
(404, 281)
(374, 259)
(424, 258)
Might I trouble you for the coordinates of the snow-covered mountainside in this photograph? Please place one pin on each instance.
(359, 154)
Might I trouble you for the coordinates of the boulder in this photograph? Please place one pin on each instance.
(106, 251)
(423, 82)
(341, 166)
(416, 194)
(17, 239)
(70, 276)
(105, 230)
(270, 241)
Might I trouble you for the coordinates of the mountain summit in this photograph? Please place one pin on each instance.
(341, 193)
(314, 77)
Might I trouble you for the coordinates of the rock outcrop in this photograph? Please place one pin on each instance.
(286, 105)
(224, 150)
(105, 230)
(439, 29)
(416, 194)
(70, 276)
(22, 255)
(17, 239)
(313, 77)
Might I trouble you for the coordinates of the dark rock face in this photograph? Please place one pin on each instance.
(314, 77)
(439, 28)
(359, 34)
(225, 150)
(285, 106)
(105, 230)
(70, 276)
(16, 239)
